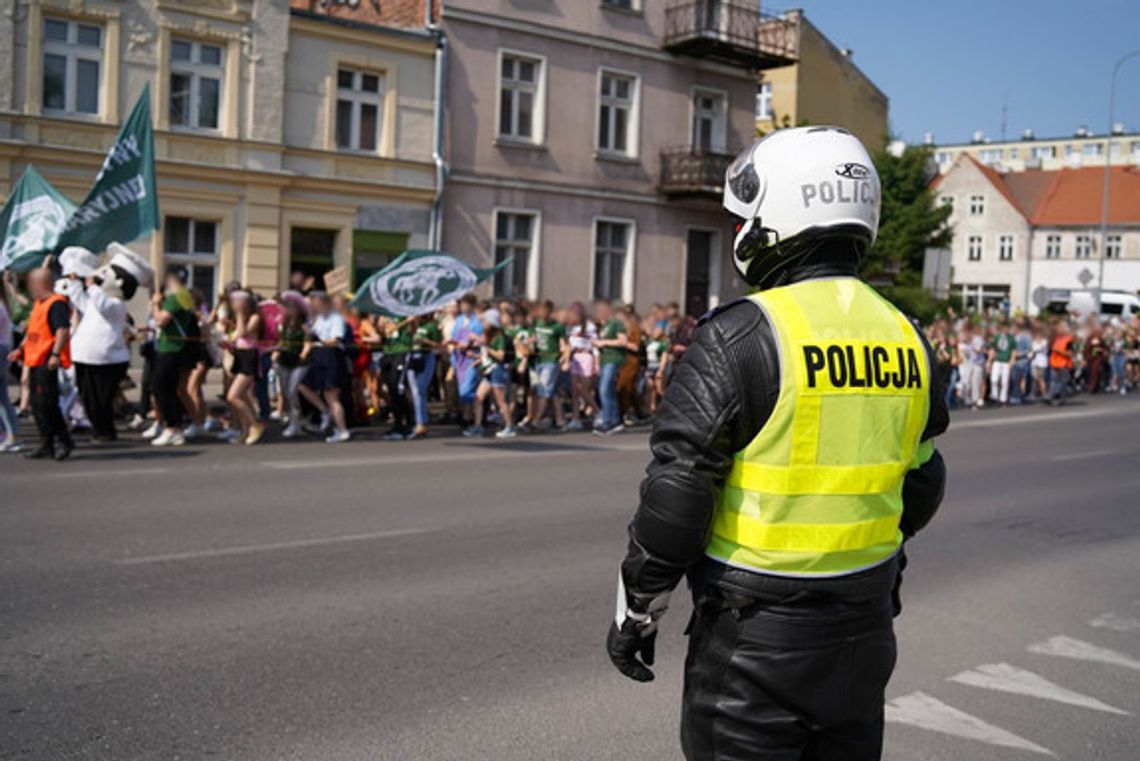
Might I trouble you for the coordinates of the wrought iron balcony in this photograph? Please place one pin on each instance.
(730, 31)
(687, 172)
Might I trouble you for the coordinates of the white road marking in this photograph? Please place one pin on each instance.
(1113, 411)
(1116, 623)
(1006, 678)
(252, 548)
(436, 457)
(921, 710)
(1067, 647)
(1081, 455)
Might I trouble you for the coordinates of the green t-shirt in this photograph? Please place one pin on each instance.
(292, 341)
(1003, 346)
(498, 343)
(428, 331)
(516, 333)
(399, 342)
(612, 355)
(548, 336)
(172, 336)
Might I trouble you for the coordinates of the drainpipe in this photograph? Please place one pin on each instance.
(435, 220)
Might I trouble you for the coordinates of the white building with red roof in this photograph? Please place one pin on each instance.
(1017, 231)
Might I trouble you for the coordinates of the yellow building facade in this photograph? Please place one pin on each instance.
(824, 86)
(284, 140)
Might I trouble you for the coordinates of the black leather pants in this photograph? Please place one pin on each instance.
(798, 680)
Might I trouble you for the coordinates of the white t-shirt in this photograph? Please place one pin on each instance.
(581, 337)
(99, 339)
(1040, 353)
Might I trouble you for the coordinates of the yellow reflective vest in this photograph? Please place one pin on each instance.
(818, 492)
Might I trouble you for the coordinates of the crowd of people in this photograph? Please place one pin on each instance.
(310, 364)
(991, 359)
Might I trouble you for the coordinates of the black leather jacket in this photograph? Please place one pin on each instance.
(720, 396)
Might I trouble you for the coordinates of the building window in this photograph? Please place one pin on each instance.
(1005, 248)
(629, 5)
(1134, 149)
(990, 155)
(1070, 149)
(1083, 248)
(73, 60)
(977, 205)
(193, 243)
(616, 111)
(358, 103)
(764, 101)
(942, 157)
(1113, 247)
(195, 84)
(519, 84)
(974, 248)
(312, 251)
(1053, 247)
(947, 201)
(612, 258)
(710, 121)
(1044, 151)
(1013, 154)
(1093, 149)
(515, 236)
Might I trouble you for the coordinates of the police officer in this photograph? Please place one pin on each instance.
(792, 456)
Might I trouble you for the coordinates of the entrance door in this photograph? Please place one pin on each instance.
(708, 122)
(700, 248)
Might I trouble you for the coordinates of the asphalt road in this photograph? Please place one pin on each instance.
(448, 599)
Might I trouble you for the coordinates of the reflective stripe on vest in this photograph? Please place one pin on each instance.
(40, 339)
(818, 492)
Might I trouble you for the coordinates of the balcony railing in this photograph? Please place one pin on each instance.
(730, 31)
(693, 172)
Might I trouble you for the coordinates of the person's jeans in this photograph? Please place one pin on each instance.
(607, 390)
(420, 383)
(261, 385)
(1059, 383)
(1117, 372)
(952, 389)
(8, 417)
(1019, 381)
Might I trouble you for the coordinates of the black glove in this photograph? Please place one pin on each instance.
(624, 644)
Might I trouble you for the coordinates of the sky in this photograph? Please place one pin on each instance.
(948, 66)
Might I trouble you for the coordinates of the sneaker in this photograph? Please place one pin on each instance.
(609, 431)
(473, 431)
(171, 437)
(154, 431)
(326, 420)
(419, 433)
(393, 436)
(210, 425)
(507, 433)
(11, 445)
(290, 431)
(229, 435)
(338, 437)
(573, 425)
(192, 432)
(256, 431)
(136, 422)
(276, 416)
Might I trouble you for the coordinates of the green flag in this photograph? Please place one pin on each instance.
(123, 204)
(419, 282)
(31, 222)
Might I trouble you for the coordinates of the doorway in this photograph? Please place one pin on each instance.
(700, 289)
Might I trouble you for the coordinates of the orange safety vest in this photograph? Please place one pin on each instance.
(40, 339)
(1059, 356)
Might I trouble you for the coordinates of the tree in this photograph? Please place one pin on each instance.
(911, 218)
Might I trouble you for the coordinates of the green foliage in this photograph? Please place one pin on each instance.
(911, 218)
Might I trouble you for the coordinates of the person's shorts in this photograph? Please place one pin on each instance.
(582, 364)
(246, 362)
(326, 369)
(545, 379)
(499, 377)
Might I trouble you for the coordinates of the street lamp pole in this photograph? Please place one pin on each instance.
(1108, 176)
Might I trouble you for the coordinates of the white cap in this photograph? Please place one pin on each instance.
(76, 260)
(138, 267)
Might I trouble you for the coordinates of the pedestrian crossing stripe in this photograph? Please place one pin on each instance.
(1006, 678)
(925, 712)
(1067, 647)
(1116, 623)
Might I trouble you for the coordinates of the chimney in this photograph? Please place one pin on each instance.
(928, 138)
(1118, 128)
(1027, 135)
(1082, 131)
(979, 137)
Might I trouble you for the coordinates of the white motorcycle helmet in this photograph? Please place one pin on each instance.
(796, 188)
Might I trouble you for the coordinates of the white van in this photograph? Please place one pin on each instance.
(1123, 304)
